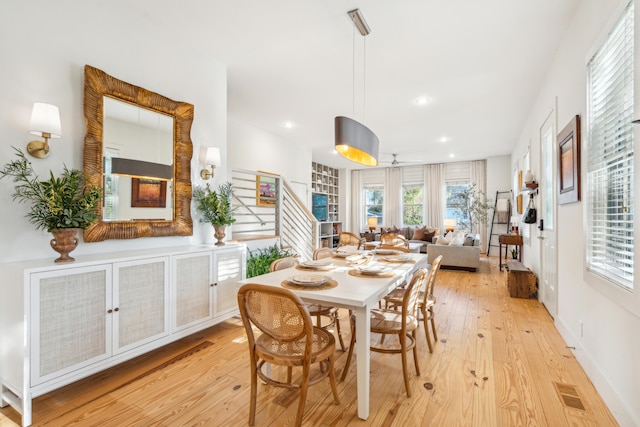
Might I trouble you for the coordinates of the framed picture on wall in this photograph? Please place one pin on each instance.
(148, 193)
(569, 162)
(265, 191)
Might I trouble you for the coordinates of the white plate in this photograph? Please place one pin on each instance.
(341, 254)
(317, 264)
(309, 279)
(372, 269)
(398, 258)
(386, 251)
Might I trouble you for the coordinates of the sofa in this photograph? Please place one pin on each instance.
(411, 233)
(466, 257)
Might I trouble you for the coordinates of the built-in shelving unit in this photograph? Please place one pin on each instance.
(325, 179)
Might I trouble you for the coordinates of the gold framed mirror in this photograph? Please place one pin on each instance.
(172, 216)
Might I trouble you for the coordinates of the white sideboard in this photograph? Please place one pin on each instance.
(63, 322)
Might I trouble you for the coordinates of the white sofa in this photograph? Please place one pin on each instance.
(457, 257)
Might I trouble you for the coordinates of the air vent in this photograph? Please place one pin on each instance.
(569, 396)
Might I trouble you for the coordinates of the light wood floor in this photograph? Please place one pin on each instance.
(498, 362)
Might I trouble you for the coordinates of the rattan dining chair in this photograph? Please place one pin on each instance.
(401, 323)
(394, 241)
(288, 339)
(316, 311)
(321, 253)
(426, 301)
(282, 263)
(346, 238)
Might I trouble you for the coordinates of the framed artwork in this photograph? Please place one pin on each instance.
(569, 162)
(519, 202)
(265, 191)
(148, 193)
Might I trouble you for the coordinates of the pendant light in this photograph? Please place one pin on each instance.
(353, 140)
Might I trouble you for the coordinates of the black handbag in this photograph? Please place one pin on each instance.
(530, 216)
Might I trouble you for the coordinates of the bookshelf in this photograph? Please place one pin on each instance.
(325, 185)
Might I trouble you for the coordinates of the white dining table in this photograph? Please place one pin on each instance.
(358, 294)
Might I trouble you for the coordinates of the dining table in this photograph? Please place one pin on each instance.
(355, 289)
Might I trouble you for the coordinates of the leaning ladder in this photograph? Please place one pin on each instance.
(497, 231)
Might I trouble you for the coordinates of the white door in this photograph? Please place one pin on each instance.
(546, 201)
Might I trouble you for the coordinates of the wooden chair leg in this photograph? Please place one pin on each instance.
(433, 324)
(415, 351)
(403, 348)
(337, 322)
(254, 394)
(350, 354)
(332, 378)
(425, 320)
(304, 386)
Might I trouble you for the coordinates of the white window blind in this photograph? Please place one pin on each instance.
(610, 236)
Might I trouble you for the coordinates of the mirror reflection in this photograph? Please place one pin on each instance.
(138, 163)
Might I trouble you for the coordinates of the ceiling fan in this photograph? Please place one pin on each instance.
(396, 162)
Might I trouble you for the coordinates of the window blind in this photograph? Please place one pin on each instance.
(610, 236)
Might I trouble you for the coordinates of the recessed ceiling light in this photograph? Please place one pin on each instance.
(443, 139)
(422, 100)
(452, 155)
(334, 151)
(289, 125)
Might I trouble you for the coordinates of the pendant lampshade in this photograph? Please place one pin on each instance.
(356, 142)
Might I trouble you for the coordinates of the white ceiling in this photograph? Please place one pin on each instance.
(479, 61)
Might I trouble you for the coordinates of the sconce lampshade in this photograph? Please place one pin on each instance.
(45, 122)
(210, 156)
(356, 142)
(45, 119)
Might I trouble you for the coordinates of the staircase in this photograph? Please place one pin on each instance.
(265, 207)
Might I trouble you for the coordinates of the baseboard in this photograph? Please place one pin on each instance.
(616, 405)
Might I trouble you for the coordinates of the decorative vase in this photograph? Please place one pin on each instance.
(219, 234)
(528, 177)
(64, 241)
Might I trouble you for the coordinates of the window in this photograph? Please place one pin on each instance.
(610, 174)
(373, 201)
(412, 204)
(453, 205)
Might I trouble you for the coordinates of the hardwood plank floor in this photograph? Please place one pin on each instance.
(499, 361)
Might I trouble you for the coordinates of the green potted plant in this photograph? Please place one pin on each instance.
(215, 207)
(473, 208)
(259, 261)
(61, 205)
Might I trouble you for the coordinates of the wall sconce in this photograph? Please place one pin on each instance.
(45, 122)
(373, 223)
(209, 156)
(449, 224)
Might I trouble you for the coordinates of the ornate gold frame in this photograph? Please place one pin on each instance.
(98, 84)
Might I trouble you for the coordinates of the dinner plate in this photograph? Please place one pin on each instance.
(309, 279)
(316, 264)
(372, 269)
(386, 251)
(398, 258)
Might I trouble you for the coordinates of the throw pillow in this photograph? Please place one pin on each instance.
(427, 236)
(457, 240)
(418, 234)
(436, 231)
(444, 240)
(468, 240)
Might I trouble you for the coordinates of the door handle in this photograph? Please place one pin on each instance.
(541, 226)
(540, 237)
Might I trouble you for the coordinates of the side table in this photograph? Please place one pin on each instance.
(509, 239)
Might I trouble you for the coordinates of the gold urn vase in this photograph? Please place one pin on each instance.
(219, 234)
(64, 241)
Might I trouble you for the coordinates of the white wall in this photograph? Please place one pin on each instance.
(251, 148)
(498, 179)
(44, 46)
(609, 349)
